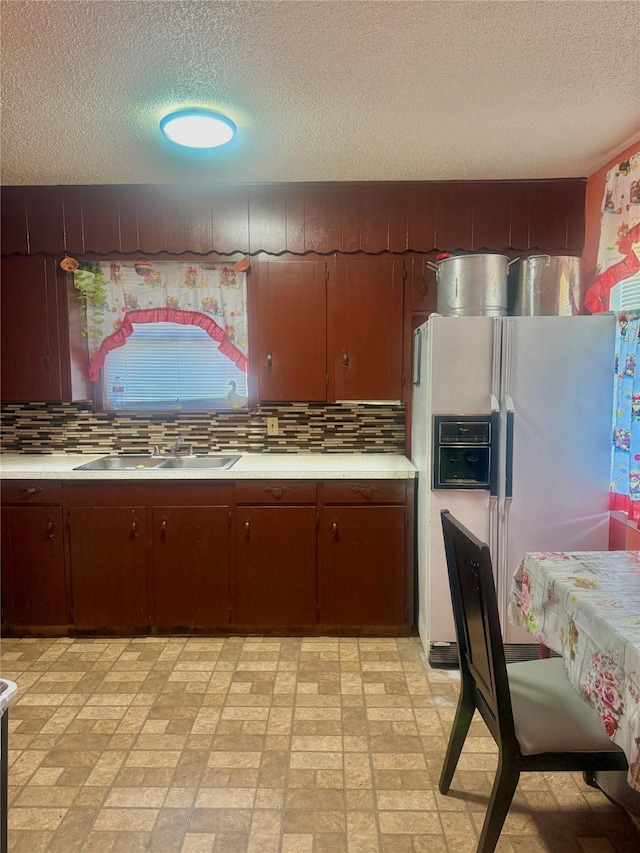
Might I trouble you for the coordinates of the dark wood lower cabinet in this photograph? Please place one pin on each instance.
(191, 567)
(276, 567)
(108, 567)
(33, 579)
(258, 556)
(362, 568)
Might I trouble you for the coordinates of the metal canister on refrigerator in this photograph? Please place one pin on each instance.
(472, 285)
(547, 285)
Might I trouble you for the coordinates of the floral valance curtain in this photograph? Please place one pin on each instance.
(625, 484)
(118, 294)
(619, 249)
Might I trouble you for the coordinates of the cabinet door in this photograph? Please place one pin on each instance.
(361, 573)
(191, 566)
(108, 567)
(30, 339)
(291, 351)
(276, 568)
(33, 566)
(364, 326)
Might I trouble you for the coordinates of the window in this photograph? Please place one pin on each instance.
(165, 335)
(168, 366)
(625, 295)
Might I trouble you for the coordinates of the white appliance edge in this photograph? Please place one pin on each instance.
(553, 376)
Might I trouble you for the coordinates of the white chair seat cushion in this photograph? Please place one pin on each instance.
(548, 713)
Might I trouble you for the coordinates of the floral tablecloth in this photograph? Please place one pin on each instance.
(585, 605)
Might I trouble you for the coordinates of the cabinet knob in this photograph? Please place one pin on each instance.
(31, 491)
(367, 492)
(277, 491)
(50, 529)
(269, 360)
(345, 358)
(247, 527)
(163, 527)
(334, 528)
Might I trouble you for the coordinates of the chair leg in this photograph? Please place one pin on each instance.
(462, 721)
(504, 787)
(589, 778)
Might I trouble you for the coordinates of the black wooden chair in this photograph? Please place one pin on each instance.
(538, 720)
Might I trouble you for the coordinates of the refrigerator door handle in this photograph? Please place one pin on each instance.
(503, 589)
(494, 447)
(493, 531)
(508, 477)
(496, 355)
(417, 356)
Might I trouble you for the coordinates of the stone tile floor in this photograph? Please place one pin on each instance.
(254, 745)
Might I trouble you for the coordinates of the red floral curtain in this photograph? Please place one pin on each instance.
(619, 249)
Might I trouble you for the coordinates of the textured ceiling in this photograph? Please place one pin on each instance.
(321, 91)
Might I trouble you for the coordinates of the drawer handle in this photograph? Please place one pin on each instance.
(163, 527)
(134, 527)
(50, 529)
(345, 358)
(269, 360)
(277, 491)
(366, 491)
(334, 528)
(31, 491)
(247, 528)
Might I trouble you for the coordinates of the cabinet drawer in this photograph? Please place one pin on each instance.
(365, 492)
(31, 492)
(276, 492)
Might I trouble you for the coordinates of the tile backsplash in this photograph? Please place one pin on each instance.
(302, 427)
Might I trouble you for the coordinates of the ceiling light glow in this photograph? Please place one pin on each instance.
(198, 128)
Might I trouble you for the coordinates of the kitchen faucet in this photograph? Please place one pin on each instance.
(175, 447)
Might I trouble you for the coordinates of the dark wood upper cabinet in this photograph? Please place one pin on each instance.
(230, 219)
(290, 352)
(421, 217)
(14, 234)
(454, 216)
(45, 219)
(382, 218)
(543, 215)
(30, 332)
(491, 216)
(267, 219)
(101, 219)
(364, 329)
(323, 218)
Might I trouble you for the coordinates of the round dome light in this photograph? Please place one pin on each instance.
(198, 128)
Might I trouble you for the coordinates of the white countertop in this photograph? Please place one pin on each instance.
(250, 466)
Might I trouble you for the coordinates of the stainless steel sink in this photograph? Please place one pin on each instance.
(122, 463)
(218, 462)
(142, 463)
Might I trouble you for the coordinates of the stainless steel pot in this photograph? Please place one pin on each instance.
(548, 285)
(472, 285)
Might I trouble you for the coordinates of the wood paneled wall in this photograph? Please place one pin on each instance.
(521, 216)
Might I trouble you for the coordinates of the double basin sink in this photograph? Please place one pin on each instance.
(130, 462)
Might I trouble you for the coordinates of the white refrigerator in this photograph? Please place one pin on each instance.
(534, 397)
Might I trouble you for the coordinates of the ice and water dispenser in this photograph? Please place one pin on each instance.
(462, 452)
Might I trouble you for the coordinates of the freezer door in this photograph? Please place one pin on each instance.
(457, 377)
(557, 393)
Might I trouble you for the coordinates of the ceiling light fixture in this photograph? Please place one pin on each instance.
(198, 128)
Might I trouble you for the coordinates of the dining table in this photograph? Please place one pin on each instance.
(585, 605)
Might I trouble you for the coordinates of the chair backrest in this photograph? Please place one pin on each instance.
(475, 611)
